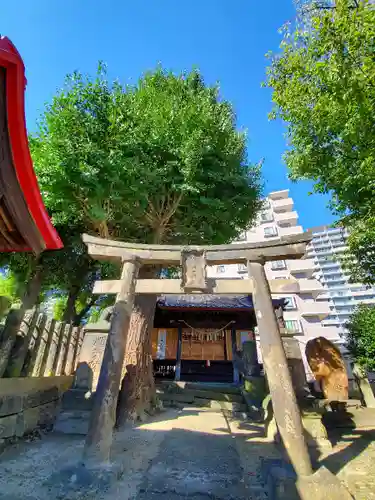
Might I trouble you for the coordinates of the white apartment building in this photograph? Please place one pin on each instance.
(327, 245)
(304, 313)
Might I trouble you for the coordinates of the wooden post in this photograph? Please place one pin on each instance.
(37, 350)
(59, 345)
(77, 348)
(233, 336)
(50, 328)
(27, 326)
(99, 438)
(63, 348)
(287, 414)
(178, 354)
(67, 351)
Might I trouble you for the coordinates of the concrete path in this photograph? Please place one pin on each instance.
(189, 453)
(197, 459)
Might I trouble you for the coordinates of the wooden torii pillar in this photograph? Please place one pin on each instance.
(194, 260)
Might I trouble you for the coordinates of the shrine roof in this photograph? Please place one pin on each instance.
(24, 222)
(210, 302)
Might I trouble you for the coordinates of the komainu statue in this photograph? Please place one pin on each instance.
(328, 367)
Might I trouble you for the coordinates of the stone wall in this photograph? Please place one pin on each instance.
(28, 403)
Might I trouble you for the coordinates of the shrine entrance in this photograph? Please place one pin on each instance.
(203, 345)
(193, 262)
(209, 329)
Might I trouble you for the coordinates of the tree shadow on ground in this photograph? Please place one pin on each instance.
(350, 444)
(169, 457)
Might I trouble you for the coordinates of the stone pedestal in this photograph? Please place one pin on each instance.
(295, 365)
(92, 351)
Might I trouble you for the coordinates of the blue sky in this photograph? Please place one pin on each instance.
(227, 40)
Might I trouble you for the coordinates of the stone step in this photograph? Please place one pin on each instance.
(231, 414)
(220, 405)
(178, 397)
(72, 422)
(77, 399)
(188, 395)
(180, 400)
(200, 386)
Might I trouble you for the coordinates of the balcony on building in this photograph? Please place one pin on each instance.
(331, 322)
(329, 332)
(360, 290)
(282, 205)
(315, 309)
(301, 266)
(278, 195)
(283, 218)
(368, 301)
(287, 231)
(339, 249)
(323, 252)
(327, 266)
(310, 286)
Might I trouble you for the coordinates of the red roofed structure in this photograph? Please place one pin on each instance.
(24, 222)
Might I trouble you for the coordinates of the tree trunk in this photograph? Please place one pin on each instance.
(14, 319)
(137, 394)
(70, 309)
(30, 298)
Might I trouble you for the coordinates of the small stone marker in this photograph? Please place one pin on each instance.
(83, 377)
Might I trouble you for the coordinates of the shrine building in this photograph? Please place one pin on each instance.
(196, 337)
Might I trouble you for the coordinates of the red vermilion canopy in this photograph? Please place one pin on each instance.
(24, 222)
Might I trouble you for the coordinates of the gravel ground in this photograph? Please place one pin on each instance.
(190, 453)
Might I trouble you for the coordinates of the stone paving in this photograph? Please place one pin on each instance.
(352, 458)
(190, 453)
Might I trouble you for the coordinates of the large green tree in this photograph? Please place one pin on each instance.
(361, 336)
(323, 83)
(160, 161)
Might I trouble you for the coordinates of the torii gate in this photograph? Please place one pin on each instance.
(321, 485)
(194, 260)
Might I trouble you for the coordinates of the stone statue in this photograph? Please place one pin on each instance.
(328, 367)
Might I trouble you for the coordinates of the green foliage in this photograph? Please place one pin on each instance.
(361, 337)
(59, 307)
(8, 286)
(8, 292)
(323, 85)
(159, 161)
(360, 259)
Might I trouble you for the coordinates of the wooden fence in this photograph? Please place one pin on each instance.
(39, 347)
